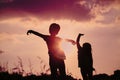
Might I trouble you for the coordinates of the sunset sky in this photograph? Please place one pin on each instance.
(99, 20)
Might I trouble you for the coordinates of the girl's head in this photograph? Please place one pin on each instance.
(87, 47)
(54, 29)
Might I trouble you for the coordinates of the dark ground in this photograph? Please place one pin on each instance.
(15, 76)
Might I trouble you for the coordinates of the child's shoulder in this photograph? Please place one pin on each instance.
(58, 37)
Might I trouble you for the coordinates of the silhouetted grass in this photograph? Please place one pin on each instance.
(19, 71)
(16, 76)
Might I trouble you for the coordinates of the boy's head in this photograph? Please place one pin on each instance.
(54, 29)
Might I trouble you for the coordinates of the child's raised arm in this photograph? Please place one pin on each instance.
(36, 33)
(78, 39)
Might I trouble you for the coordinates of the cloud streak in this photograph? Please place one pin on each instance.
(79, 10)
(11, 29)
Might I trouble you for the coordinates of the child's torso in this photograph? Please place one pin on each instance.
(54, 46)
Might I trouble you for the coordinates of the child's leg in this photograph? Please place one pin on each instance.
(53, 69)
(84, 74)
(90, 75)
(62, 69)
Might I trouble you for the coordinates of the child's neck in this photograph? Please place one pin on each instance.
(53, 35)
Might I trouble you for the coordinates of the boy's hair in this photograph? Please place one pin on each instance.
(54, 29)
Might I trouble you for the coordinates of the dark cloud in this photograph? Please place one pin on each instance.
(49, 9)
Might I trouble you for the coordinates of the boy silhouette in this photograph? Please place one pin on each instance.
(56, 54)
(85, 60)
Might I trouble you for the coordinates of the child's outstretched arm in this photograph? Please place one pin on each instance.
(36, 33)
(72, 41)
(78, 39)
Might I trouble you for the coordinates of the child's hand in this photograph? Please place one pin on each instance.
(81, 34)
(73, 42)
(29, 31)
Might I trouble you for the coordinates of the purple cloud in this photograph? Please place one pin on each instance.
(49, 9)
